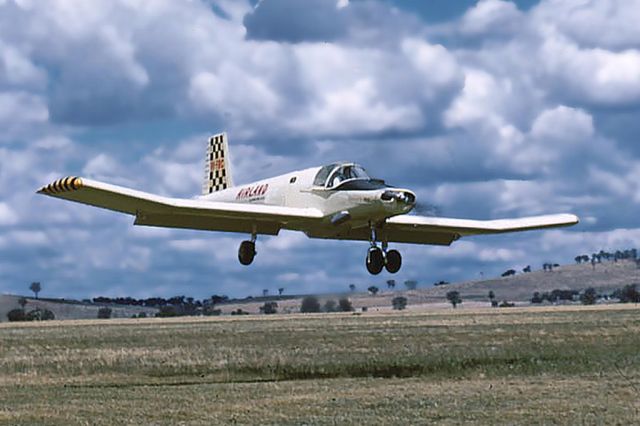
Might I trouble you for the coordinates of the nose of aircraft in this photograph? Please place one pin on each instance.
(403, 196)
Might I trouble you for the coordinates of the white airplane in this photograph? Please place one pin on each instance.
(336, 201)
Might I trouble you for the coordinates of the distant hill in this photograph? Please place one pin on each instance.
(605, 278)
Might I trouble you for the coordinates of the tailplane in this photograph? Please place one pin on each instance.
(217, 166)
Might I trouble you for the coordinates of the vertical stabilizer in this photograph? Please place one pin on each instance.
(217, 167)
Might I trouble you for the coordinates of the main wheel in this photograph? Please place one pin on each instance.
(247, 252)
(375, 260)
(393, 261)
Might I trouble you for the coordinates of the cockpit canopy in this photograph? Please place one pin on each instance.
(334, 175)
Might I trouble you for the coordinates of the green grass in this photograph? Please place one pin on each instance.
(498, 366)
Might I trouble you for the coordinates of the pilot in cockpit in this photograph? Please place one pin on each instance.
(337, 178)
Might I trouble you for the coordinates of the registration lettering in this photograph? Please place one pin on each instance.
(217, 164)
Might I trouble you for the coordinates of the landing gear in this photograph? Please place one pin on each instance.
(393, 261)
(247, 251)
(375, 260)
(380, 258)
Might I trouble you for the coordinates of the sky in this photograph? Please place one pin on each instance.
(487, 109)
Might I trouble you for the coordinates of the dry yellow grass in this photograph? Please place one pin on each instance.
(557, 365)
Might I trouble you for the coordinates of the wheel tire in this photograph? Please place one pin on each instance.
(375, 261)
(394, 261)
(247, 252)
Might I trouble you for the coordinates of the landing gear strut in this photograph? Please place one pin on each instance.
(247, 251)
(379, 258)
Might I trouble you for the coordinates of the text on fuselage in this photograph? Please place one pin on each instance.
(252, 192)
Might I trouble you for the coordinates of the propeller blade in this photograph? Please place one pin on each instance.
(426, 209)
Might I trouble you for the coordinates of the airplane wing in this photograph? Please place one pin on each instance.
(155, 210)
(444, 231)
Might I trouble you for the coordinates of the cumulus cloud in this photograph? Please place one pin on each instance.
(610, 24)
(492, 17)
(315, 20)
(16, 69)
(7, 215)
(563, 124)
(500, 112)
(592, 75)
(20, 113)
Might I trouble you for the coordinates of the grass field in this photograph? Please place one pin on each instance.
(514, 366)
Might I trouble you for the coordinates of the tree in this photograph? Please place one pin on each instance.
(344, 305)
(492, 299)
(22, 302)
(280, 291)
(167, 311)
(399, 303)
(373, 290)
(265, 292)
(589, 296)
(209, 310)
(216, 299)
(35, 287)
(104, 312)
(628, 294)
(454, 297)
(176, 300)
(330, 305)
(40, 315)
(558, 294)
(269, 308)
(352, 287)
(391, 284)
(16, 315)
(527, 269)
(310, 304)
(411, 284)
(537, 298)
(578, 259)
(509, 273)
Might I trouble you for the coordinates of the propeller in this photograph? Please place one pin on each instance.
(426, 209)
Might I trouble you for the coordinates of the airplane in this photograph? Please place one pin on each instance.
(335, 201)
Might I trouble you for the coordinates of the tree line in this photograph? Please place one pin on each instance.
(629, 254)
(589, 296)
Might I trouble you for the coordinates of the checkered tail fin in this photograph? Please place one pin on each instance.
(217, 166)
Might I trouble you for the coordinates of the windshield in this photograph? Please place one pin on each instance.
(345, 173)
(323, 174)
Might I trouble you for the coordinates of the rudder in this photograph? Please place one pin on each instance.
(217, 166)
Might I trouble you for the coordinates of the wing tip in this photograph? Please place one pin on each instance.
(571, 219)
(67, 184)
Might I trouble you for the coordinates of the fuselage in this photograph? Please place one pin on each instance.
(341, 191)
